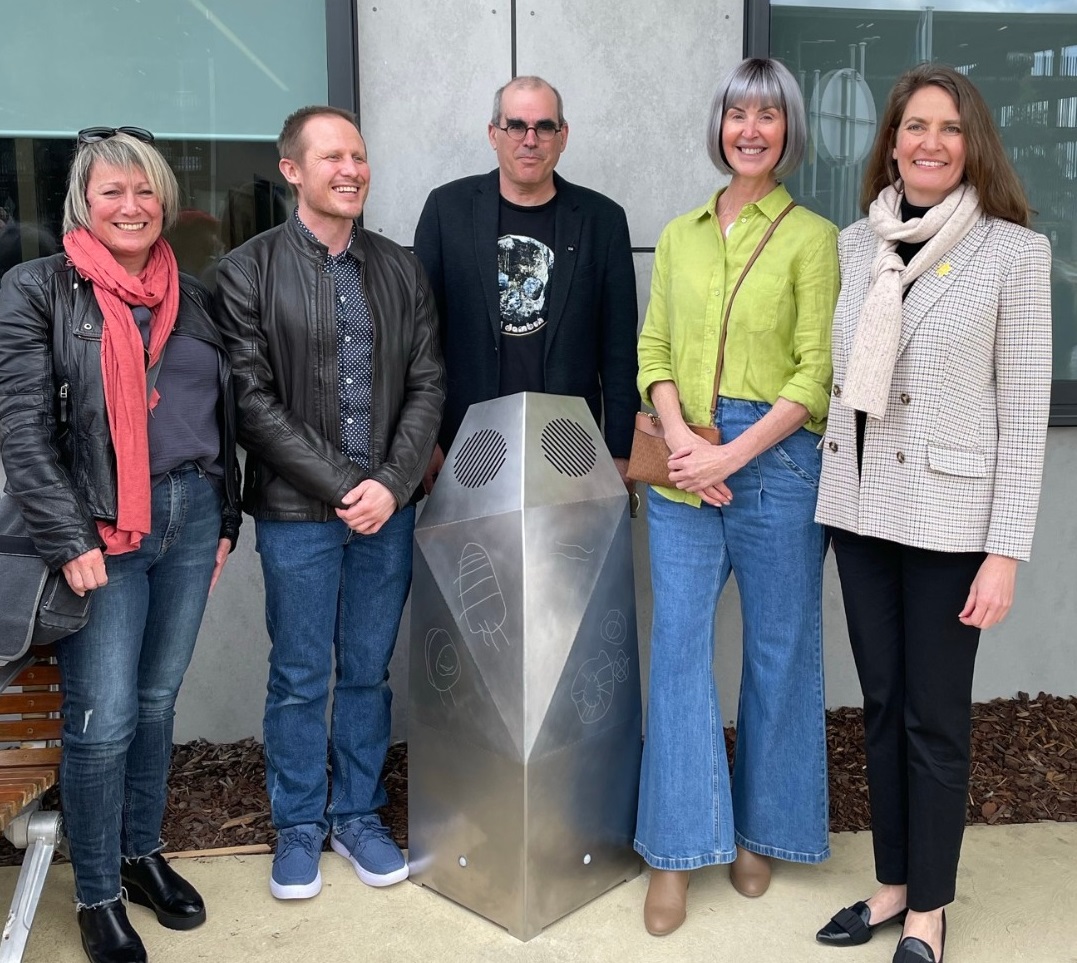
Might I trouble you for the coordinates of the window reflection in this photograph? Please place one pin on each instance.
(213, 80)
(1023, 57)
(229, 191)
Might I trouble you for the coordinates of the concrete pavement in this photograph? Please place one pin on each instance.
(1017, 901)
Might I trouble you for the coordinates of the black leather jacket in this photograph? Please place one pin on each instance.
(54, 436)
(277, 308)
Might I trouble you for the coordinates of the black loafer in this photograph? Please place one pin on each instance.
(151, 882)
(852, 927)
(913, 950)
(107, 934)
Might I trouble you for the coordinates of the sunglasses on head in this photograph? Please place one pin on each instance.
(92, 135)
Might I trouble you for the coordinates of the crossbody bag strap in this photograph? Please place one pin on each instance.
(729, 304)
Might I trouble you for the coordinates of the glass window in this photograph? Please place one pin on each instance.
(213, 79)
(1021, 54)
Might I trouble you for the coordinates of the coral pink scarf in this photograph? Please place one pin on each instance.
(123, 368)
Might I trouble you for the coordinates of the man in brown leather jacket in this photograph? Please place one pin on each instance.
(340, 386)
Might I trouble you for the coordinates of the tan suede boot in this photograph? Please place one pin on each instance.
(667, 898)
(750, 873)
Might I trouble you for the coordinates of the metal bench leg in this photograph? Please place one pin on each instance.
(40, 834)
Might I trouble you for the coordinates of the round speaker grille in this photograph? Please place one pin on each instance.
(569, 447)
(480, 458)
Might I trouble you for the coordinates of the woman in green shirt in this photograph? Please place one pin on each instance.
(744, 507)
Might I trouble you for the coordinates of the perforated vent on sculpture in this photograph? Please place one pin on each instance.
(480, 458)
(568, 447)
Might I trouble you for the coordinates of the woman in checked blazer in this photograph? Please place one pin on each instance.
(931, 469)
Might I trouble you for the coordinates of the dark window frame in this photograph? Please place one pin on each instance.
(342, 53)
(757, 44)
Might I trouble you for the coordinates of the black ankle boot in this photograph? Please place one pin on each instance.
(151, 882)
(107, 934)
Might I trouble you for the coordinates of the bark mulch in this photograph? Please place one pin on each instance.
(1024, 769)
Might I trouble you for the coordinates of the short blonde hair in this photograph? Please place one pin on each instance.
(128, 153)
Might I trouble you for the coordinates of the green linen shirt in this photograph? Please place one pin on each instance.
(778, 344)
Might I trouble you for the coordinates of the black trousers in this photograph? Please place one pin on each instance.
(915, 661)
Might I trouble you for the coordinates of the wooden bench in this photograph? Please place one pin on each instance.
(30, 730)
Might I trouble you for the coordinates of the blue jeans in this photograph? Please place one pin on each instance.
(689, 815)
(330, 592)
(121, 674)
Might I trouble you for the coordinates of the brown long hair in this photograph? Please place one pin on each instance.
(987, 168)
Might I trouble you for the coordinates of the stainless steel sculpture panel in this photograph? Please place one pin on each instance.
(524, 718)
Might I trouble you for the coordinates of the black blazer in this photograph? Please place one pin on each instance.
(591, 327)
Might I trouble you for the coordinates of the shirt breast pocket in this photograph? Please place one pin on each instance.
(761, 303)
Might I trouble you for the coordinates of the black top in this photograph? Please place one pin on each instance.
(907, 250)
(525, 272)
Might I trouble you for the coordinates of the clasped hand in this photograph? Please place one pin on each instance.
(367, 507)
(697, 466)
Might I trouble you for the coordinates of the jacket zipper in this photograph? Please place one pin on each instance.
(65, 388)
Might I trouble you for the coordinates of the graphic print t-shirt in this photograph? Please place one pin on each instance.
(524, 277)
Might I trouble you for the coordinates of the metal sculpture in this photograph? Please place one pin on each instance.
(524, 717)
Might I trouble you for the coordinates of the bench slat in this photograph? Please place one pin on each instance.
(18, 702)
(48, 756)
(27, 771)
(24, 792)
(30, 729)
(38, 674)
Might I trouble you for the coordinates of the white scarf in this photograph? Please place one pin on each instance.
(875, 346)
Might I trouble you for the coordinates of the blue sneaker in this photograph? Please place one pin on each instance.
(295, 866)
(367, 845)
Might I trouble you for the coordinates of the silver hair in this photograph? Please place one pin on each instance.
(527, 83)
(761, 82)
(127, 153)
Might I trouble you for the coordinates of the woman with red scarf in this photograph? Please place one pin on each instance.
(118, 441)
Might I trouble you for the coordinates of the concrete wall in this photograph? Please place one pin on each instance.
(637, 79)
(1032, 650)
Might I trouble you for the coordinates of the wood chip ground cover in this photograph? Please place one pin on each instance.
(1024, 769)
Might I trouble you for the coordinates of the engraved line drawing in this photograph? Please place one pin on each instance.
(592, 689)
(481, 600)
(577, 553)
(595, 683)
(614, 627)
(442, 663)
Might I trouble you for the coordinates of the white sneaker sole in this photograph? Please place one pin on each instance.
(371, 879)
(296, 890)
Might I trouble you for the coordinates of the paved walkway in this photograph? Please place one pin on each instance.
(1017, 901)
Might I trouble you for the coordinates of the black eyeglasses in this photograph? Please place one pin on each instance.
(92, 135)
(517, 129)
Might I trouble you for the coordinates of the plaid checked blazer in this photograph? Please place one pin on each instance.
(956, 462)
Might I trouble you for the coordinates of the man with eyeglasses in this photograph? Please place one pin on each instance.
(532, 276)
